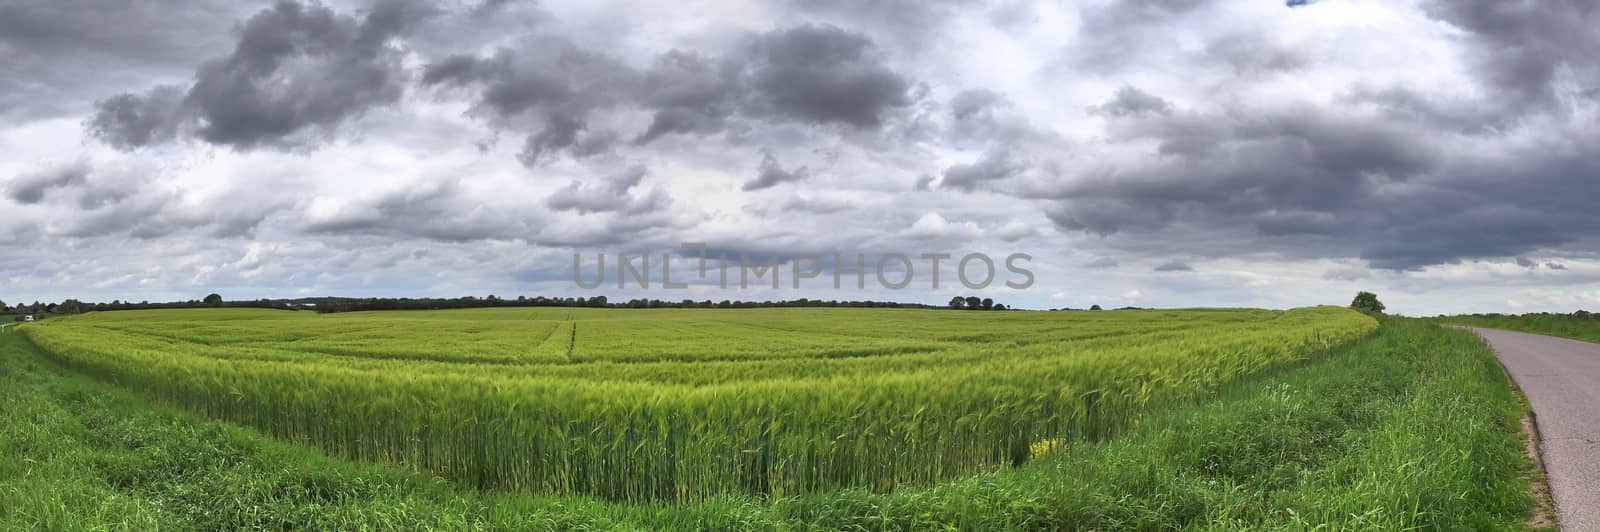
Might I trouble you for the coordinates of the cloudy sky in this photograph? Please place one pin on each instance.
(1443, 153)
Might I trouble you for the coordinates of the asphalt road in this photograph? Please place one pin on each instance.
(1562, 381)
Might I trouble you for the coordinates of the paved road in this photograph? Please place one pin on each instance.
(1562, 380)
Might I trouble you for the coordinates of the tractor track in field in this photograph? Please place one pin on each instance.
(572, 341)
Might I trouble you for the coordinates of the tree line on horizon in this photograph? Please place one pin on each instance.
(327, 305)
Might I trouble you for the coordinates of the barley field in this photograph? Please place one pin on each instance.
(685, 404)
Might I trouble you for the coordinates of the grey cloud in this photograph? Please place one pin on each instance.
(909, 24)
(438, 211)
(1526, 263)
(1251, 55)
(559, 132)
(122, 201)
(994, 166)
(138, 217)
(616, 194)
(53, 49)
(1102, 262)
(31, 187)
(127, 121)
(1130, 101)
(817, 205)
(1174, 266)
(1112, 32)
(1555, 266)
(972, 102)
(772, 173)
(1346, 274)
(294, 68)
(609, 195)
(1403, 104)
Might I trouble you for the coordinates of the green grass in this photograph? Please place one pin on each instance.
(1413, 427)
(1578, 327)
(683, 404)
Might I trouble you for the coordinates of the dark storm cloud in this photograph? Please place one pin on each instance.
(552, 88)
(547, 85)
(994, 166)
(1287, 172)
(31, 187)
(690, 93)
(1334, 182)
(825, 74)
(771, 173)
(1522, 49)
(544, 75)
(1484, 232)
(294, 67)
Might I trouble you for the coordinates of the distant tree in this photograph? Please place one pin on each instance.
(958, 302)
(988, 304)
(973, 303)
(1094, 307)
(214, 300)
(998, 306)
(2, 306)
(1367, 302)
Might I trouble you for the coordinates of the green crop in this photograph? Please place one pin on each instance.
(674, 404)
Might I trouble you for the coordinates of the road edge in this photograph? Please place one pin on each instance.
(1543, 516)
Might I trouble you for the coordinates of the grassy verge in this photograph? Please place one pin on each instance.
(1578, 327)
(1412, 428)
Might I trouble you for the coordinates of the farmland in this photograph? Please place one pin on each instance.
(1411, 427)
(631, 405)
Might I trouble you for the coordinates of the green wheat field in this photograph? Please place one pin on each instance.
(774, 418)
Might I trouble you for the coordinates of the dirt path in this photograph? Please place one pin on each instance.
(1562, 381)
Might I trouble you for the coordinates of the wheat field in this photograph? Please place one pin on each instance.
(678, 404)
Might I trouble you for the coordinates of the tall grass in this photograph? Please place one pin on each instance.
(681, 404)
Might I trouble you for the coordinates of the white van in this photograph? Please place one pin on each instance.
(27, 318)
